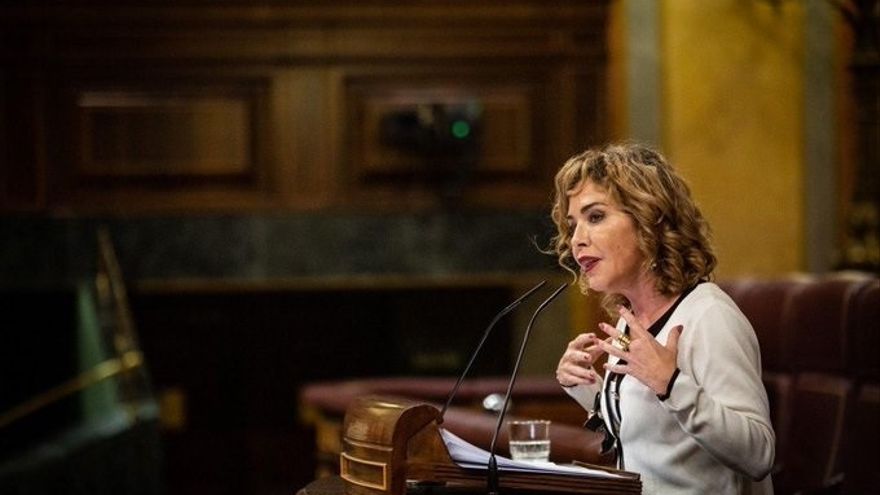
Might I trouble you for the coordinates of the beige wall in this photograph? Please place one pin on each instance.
(732, 123)
(730, 117)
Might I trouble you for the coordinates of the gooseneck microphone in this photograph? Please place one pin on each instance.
(510, 307)
(493, 463)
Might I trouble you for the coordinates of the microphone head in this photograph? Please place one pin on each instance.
(494, 402)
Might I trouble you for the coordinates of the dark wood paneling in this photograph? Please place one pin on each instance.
(129, 135)
(169, 140)
(22, 162)
(240, 106)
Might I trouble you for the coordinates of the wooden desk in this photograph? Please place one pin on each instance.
(389, 441)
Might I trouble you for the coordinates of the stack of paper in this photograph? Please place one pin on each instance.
(470, 456)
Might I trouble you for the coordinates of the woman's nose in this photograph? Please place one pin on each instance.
(580, 236)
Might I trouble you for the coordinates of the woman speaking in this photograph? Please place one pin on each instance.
(681, 401)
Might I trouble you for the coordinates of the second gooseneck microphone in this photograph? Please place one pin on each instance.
(510, 307)
(493, 463)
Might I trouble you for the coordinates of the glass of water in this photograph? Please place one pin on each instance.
(529, 440)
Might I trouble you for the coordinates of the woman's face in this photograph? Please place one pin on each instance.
(604, 241)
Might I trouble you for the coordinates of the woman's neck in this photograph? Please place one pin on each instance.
(647, 304)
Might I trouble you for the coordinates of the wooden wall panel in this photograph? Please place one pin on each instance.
(182, 106)
(161, 141)
(591, 102)
(130, 135)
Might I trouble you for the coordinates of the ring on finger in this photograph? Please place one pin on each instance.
(622, 342)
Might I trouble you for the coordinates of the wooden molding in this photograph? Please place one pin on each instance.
(186, 107)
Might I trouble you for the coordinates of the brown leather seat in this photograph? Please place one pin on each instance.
(817, 324)
(780, 391)
(767, 305)
(819, 346)
(862, 445)
(734, 287)
(864, 336)
(861, 451)
(813, 455)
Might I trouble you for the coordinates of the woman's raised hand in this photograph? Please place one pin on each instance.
(576, 365)
(647, 360)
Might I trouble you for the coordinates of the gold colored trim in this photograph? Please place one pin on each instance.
(346, 475)
(107, 369)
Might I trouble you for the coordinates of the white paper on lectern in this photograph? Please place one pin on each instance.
(470, 456)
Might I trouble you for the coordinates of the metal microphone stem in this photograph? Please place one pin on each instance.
(510, 307)
(493, 465)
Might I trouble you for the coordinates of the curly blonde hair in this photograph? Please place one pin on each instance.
(673, 236)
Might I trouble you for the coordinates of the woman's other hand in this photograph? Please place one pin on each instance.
(576, 365)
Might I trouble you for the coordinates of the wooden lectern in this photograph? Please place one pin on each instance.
(388, 442)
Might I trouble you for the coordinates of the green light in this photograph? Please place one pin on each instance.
(461, 129)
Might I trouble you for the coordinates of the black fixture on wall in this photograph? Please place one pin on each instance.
(443, 138)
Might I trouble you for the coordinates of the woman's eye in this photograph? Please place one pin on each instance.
(595, 217)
